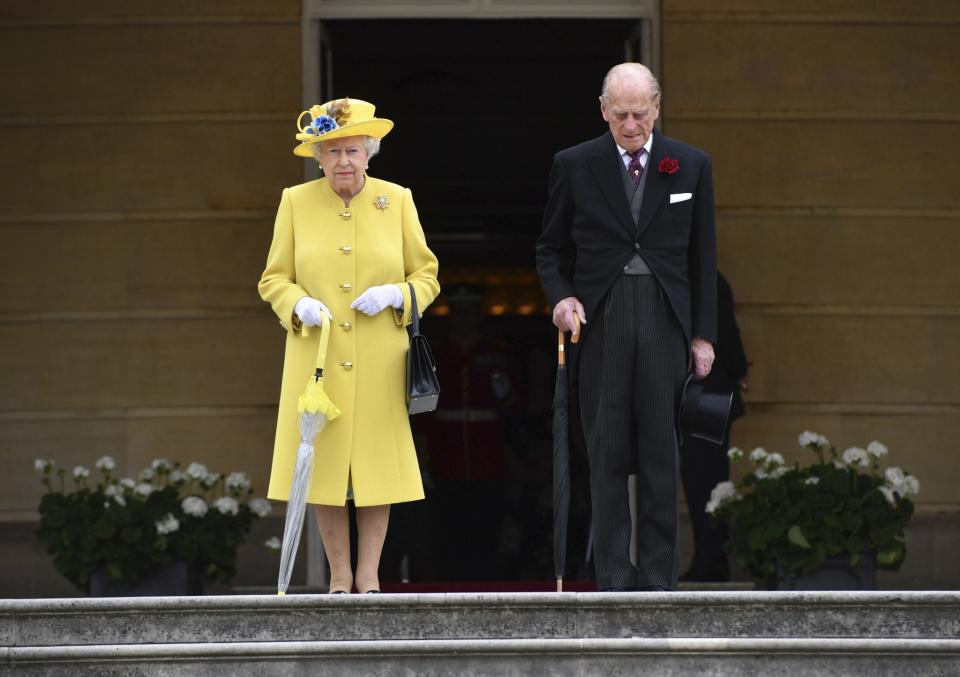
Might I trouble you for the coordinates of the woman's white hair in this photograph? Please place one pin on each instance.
(371, 144)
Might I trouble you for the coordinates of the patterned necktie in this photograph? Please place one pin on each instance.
(635, 169)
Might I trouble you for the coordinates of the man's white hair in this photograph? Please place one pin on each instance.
(630, 69)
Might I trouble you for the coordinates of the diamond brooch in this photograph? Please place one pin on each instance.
(381, 202)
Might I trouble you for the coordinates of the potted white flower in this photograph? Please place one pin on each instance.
(121, 536)
(841, 514)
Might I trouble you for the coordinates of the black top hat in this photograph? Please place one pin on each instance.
(703, 413)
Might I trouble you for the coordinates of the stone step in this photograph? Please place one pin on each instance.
(663, 657)
(472, 616)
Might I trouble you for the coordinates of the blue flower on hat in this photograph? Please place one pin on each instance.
(321, 125)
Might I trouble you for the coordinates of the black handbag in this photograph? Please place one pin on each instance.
(423, 388)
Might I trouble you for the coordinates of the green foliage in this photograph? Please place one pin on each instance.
(131, 528)
(839, 505)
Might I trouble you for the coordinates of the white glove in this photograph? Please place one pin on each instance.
(308, 310)
(376, 299)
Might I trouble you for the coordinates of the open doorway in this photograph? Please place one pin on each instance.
(480, 109)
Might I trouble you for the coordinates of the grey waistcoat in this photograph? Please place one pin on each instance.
(636, 266)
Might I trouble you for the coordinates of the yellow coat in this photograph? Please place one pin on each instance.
(334, 253)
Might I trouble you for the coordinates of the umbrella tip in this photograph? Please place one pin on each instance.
(280, 593)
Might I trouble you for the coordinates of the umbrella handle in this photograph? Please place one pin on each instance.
(324, 340)
(575, 338)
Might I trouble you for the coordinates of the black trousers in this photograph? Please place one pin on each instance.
(631, 372)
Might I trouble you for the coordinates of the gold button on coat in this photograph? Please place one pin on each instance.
(346, 326)
(346, 249)
(347, 365)
(346, 286)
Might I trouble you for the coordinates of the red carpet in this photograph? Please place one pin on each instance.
(489, 586)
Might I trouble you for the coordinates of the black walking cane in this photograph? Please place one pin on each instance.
(561, 458)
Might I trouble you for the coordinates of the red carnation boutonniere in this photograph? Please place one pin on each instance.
(669, 165)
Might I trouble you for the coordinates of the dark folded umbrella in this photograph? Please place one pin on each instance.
(561, 461)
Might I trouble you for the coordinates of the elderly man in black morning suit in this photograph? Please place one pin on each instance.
(628, 246)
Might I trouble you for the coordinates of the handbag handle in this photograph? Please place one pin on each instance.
(413, 309)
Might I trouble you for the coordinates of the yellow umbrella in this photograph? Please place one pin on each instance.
(315, 409)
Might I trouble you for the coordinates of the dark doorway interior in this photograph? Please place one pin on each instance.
(480, 109)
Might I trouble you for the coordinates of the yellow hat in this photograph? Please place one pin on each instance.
(337, 119)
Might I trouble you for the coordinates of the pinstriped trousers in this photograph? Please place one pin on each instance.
(632, 367)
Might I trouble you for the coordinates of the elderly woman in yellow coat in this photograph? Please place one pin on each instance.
(346, 245)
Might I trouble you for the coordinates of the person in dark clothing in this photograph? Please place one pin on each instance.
(467, 442)
(628, 250)
(704, 464)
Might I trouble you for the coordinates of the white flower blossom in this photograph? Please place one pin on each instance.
(723, 492)
(759, 454)
(894, 476)
(210, 479)
(812, 480)
(178, 477)
(889, 495)
(911, 485)
(876, 449)
(112, 490)
(227, 505)
(105, 463)
(272, 543)
(735, 453)
(260, 507)
(779, 471)
(194, 506)
(237, 482)
(197, 471)
(147, 474)
(840, 465)
(120, 499)
(856, 456)
(128, 483)
(775, 459)
(760, 473)
(167, 524)
(143, 490)
(160, 464)
(81, 471)
(809, 438)
(40, 465)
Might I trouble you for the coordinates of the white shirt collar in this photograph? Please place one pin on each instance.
(643, 160)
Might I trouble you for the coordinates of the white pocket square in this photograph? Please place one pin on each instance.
(680, 197)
